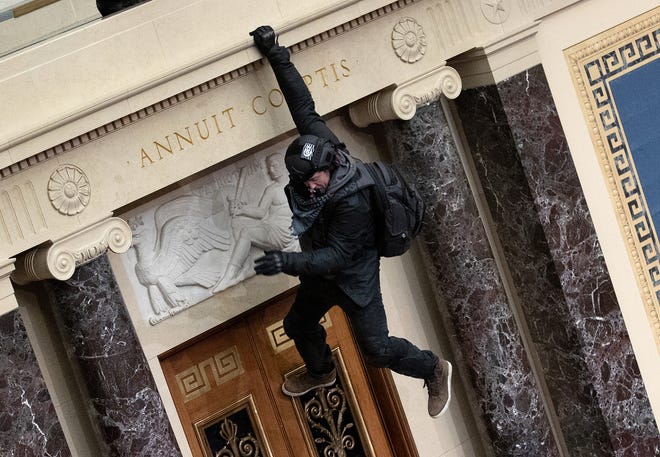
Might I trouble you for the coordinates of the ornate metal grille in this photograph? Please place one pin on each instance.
(330, 422)
(234, 435)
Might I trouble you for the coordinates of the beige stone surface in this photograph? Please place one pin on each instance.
(39, 24)
(7, 299)
(129, 61)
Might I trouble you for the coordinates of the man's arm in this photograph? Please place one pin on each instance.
(293, 87)
(347, 236)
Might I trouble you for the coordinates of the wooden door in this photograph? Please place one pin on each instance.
(227, 390)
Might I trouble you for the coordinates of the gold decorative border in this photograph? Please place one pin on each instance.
(224, 366)
(255, 420)
(594, 63)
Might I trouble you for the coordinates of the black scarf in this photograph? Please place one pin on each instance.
(305, 210)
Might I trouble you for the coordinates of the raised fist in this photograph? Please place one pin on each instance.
(264, 38)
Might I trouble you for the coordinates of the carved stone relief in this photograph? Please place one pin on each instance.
(20, 213)
(203, 237)
(530, 6)
(69, 190)
(59, 259)
(495, 11)
(455, 22)
(401, 102)
(409, 40)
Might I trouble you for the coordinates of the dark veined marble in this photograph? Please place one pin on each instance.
(556, 263)
(28, 424)
(537, 284)
(462, 269)
(122, 393)
(579, 262)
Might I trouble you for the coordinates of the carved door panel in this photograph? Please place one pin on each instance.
(227, 391)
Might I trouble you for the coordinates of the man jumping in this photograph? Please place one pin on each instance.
(339, 263)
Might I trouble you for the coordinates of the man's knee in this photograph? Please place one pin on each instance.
(377, 352)
(297, 325)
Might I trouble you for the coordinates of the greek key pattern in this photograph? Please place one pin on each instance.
(223, 366)
(594, 64)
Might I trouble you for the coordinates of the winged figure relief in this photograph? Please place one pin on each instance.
(179, 249)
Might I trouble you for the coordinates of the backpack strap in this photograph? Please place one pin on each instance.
(365, 174)
(379, 177)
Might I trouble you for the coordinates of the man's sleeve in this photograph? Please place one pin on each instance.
(347, 234)
(297, 96)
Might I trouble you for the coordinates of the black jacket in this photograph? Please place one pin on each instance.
(340, 245)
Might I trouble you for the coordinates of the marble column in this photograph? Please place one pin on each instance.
(29, 426)
(123, 398)
(489, 352)
(557, 267)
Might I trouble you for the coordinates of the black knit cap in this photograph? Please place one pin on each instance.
(307, 155)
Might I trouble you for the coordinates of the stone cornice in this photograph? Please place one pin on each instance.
(461, 25)
(60, 259)
(127, 120)
(192, 92)
(394, 49)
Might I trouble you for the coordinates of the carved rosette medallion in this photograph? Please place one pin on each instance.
(409, 40)
(69, 190)
(495, 11)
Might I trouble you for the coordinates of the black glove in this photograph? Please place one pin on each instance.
(271, 263)
(264, 38)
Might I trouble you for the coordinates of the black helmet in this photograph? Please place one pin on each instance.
(307, 155)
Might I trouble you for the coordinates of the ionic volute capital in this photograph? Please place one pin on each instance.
(401, 101)
(60, 259)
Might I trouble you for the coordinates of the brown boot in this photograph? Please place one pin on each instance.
(301, 383)
(439, 385)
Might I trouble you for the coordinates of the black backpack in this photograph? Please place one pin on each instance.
(399, 209)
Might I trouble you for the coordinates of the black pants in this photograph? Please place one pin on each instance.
(369, 325)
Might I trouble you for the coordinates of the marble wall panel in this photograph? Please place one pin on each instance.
(537, 284)
(462, 269)
(557, 266)
(122, 393)
(580, 265)
(29, 426)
